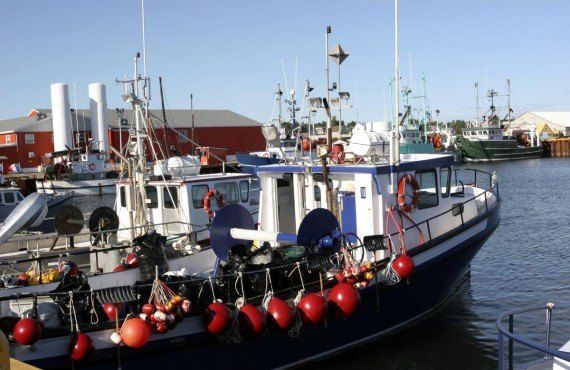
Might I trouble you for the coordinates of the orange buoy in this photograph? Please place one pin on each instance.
(135, 332)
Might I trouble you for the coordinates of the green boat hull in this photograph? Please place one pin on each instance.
(497, 150)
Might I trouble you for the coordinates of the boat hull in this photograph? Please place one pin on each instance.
(439, 272)
(497, 150)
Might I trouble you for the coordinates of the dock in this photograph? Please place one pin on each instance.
(557, 147)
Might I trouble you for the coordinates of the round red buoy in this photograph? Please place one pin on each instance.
(27, 331)
(148, 308)
(312, 308)
(111, 310)
(217, 318)
(403, 266)
(160, 328)
(135, 332)
(131, 261)
(344, 299)
(280, 313)
(119, 268)
(23, 279)
(81, 347)
(251, 321)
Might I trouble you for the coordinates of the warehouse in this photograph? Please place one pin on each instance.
(28, 140)
(548, 124)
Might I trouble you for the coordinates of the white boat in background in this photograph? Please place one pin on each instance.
(11, 197)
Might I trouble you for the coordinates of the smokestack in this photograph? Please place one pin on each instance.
(98, 109)
(61, 116)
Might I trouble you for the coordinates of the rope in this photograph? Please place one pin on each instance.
(93, 312)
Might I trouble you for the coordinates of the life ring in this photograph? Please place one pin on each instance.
(92, 166)
(437, 141)
(408, 202)
(220, 201)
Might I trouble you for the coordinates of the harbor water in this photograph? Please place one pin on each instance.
(526, 262)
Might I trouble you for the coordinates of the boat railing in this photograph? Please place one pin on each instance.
(459, 207)
(512, 337)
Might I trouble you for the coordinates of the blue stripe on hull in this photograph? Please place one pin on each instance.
(400, 305)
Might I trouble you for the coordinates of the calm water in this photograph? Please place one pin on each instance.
(526, 262)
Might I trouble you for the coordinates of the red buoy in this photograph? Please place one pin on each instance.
(119, 268)
(344, 299)
(81, 347)
(131, 261)
(403, 266)
(23, 279)
(160, 328)
(27, 331)
(135, 332)
(312, 308)
(217, 318)
(280, 313)
(251, 321)
(148, 309)
(111, 310)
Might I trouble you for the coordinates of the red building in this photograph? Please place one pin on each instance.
(29, 140)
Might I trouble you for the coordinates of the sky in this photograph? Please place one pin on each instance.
(231, 54)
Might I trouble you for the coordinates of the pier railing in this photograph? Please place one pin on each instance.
(548, 352)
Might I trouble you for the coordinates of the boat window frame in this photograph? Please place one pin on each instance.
(153, 204)
(194, 204)
(123, 196)
(168, 191)
(418, 174)
(19, 197)
(241, 194)
(448, 182)
(13, 197)
(227, 199)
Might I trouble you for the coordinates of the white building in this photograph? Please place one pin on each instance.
(547, 123)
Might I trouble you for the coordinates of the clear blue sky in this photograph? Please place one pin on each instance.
(228, 53)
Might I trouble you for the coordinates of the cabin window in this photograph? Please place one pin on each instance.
(428, 188)
(170, 196)
(9, 198)
(20, 197)
(229, 191)
(30, 138)
(123, 197)
(151, 196)
(198, 192)
(244, 191)
(445, 181)
(317, 193)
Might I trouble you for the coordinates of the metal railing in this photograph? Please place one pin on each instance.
(509, 333)
(493, 188)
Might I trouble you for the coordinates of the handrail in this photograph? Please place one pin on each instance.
(509, 333)
(494, 189)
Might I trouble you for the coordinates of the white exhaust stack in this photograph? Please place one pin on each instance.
(61, 116)
(98, 109)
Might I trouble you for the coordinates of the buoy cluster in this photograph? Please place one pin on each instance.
(131, 261)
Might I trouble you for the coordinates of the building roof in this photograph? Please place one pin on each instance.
(175, 118)
(560, 118)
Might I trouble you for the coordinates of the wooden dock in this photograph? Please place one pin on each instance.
(557, 147)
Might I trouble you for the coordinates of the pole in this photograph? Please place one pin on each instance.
(339, 106)
(395, 151)
(329, 123)
(477, 103)
(192, 119)
(509, 101)
(163, 115)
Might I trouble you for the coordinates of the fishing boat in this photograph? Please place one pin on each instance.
(485, 141)
(343, 253)
(11, 196)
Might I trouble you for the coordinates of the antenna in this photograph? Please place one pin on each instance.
(509, 100)
(143, 38)
(327, 87)
(395, 147)
(477, 112)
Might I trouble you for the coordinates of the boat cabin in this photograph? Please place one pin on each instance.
(175, 206)
(483, 133)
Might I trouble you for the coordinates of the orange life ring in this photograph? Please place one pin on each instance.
(220, 201)
(437, 141)
(408, 202)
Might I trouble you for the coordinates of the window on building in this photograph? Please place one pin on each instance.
(228, 190)
(445, 181)
(170, 195)
(427, 180)
(30, 139)
(151, 196)
(8, 139)
(9, 198)
(182, 138)
(198, 192)
(244, 191)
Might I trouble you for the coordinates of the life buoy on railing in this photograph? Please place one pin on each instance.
(220, 201)
(406, 200)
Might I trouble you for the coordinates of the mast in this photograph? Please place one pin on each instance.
(477, 103)
(509, 101)
(329, 121)
(278, 94)
(425, 106)
(192, 116)
(395, 145)
(163, 113)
